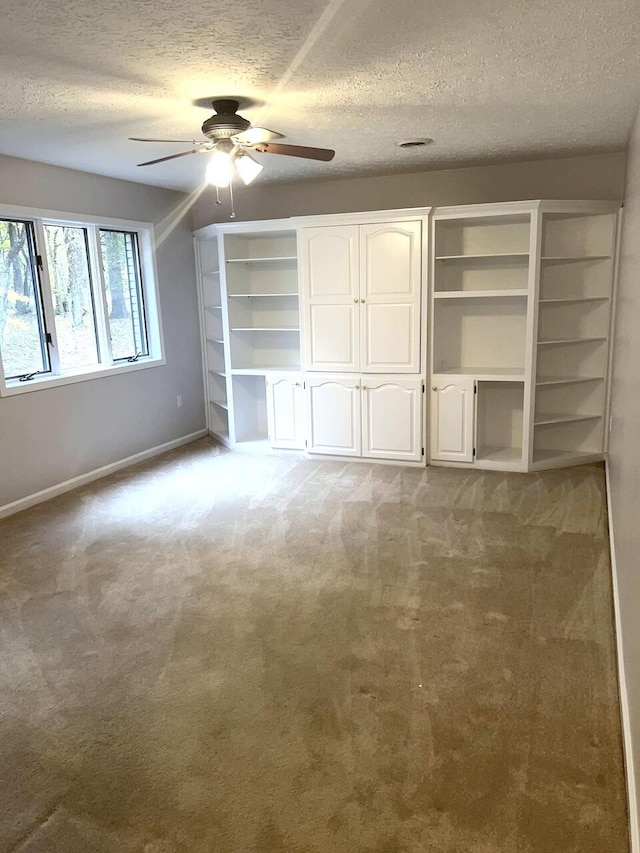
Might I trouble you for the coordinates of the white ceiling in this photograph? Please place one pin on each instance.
(489, 80)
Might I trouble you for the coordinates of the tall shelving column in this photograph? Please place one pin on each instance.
(574, 315)
(260, 281)
(480, 335)
(217, 375)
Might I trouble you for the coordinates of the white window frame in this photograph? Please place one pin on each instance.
(149, 285)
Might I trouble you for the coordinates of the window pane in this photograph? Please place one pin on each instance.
(125, 306)
(67, 254)
(22, 333)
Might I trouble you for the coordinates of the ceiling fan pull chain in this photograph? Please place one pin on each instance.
(233, 212)
(218, 195)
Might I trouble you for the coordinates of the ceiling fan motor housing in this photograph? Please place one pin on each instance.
(226, 122)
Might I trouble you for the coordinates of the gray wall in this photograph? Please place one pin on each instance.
(624, 451)
(51, 435)
(595, 176)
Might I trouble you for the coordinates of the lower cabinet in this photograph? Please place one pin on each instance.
(479, 421)
(452, 417)
(285, 411)
(378, 417)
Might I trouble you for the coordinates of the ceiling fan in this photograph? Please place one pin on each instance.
(229, 139)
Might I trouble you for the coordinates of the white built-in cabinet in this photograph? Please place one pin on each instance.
(362, 288)
(378, 417)
(520, 333)
(285, 411)
(362, 282)
(323, 333)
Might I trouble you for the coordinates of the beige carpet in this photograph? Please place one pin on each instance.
(242, 654)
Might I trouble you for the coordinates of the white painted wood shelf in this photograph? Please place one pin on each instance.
(521, 312)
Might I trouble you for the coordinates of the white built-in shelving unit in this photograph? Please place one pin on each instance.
(253, 333)
(520, 333)
(324, 333)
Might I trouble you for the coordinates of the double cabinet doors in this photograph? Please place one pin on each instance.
(378, 417)
(361, 286)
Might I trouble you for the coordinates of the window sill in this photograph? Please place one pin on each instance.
(39, 383)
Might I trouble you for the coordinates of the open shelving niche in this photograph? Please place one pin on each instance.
(574, 319)
(255, 331)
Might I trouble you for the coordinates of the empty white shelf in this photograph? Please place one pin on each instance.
(570, 341)
(265, 329)
(575, 257)
(263, 371)
(546, 420)
(490, 256)
(478, 294)
(261, 260)
(261, 295)
(515, 374)
(215, 341)
(499, 454)
(576, 299)
(566, 380)
(219, 404)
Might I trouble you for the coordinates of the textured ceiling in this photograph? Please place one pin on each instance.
(489, 80)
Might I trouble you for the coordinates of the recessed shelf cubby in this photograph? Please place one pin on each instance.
(499, 422)
(479, 334)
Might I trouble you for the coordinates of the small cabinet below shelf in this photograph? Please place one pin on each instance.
(285, 411)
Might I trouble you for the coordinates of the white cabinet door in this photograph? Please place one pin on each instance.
(329, 268)
(285, 412)
(392, 418)
(390, 286)
(333, 415)
(452, 416)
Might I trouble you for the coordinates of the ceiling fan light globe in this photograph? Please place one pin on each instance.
(219, 169)
(247, 168)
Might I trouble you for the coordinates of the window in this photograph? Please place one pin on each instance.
(77, 299)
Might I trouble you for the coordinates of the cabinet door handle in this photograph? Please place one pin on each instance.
(362, 300)
(297, 384)
(356, 299)
(434, 388)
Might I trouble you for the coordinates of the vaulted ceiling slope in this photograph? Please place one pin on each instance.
(489, 80)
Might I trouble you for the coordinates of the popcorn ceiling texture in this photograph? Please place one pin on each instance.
(489, 81)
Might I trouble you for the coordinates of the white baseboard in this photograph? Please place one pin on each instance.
(634, 825)
(96, 474)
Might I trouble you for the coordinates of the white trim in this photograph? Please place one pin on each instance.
(97, 474)
(53, 380)
(634, 823)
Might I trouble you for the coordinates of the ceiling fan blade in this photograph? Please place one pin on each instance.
(182, 141)
(173, 156)
(325, 154)
(256, 136)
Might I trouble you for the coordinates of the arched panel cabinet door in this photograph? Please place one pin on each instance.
(333, 415)
(452, 417)
(330, 287)
(390, 286)
(285, 411)
(392, 418)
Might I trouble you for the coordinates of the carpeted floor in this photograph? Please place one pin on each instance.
(228, 653)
